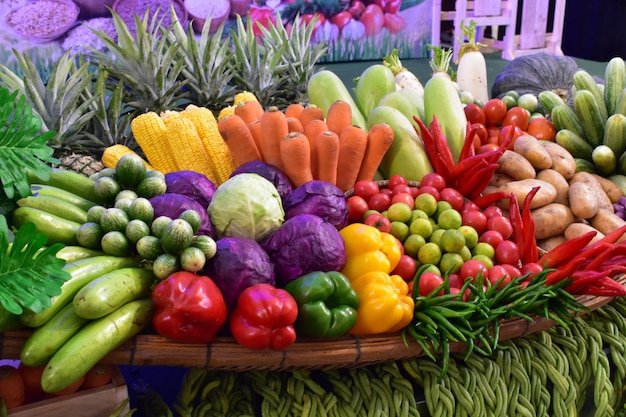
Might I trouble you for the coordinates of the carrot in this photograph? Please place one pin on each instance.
(255, 130)
(339, 115)
(296, 156)
(311, 113)
(239, 139)
(295, 125)
(273, 128)
(100, 374)
(249, 111)
(31, 375)
(379, 140)
(326, 148)
(352, 146)
(294, 110)
(11, 387)
(311, 130)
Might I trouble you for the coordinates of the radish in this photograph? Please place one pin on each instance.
(405, 79)
(471, 66)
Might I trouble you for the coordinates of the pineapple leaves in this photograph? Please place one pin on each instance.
(22, 147)
(30, 273)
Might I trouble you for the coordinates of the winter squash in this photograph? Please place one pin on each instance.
(536, 73)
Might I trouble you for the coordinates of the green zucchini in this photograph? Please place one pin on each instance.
(563, 117)
(588, 111)
(325, 87)
(55, 206)
(585, 82)
(70, 181)
(614, 82)
(57, 229)
(74, 253)
(615, 133)
(93, 342)
(51, 191)
(575, 145)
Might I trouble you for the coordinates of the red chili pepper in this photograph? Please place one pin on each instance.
(614, 236)
(484, 179)
(442, 142)
(516, 221)
(529, 252)
(565, 271)
(430, 146)
(561, 253)
(596, 262)
(606, 287)
(582, 279)
(487, 200)
(468, 146)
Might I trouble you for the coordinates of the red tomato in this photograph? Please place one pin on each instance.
(495, 110)
(357, 206)
(427, 282)
(492, 237)
(517, 116)
(507, 252)
(373, 18)
(497, 273)
(542, 129)
(476, 219)
(475, 114)
(406, 267)
(469, 205)
(366, 188)
(401, 188)
(341, 19)
(395, 180)
(493, 211)
(356, 8)
(531, 268)
(506, 131)
(378, 221)
(455, 281)
(471, 268)
(453, 197)
(405, 198)
(492, 131)
(512, 270)
(386, 191)
(413, 191)
(379, 202)
(394, 22)
(389, 6)
(501, 224)
(434, 180)
(430, 190)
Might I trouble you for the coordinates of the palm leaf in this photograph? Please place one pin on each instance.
(22, 147)
(30, 273)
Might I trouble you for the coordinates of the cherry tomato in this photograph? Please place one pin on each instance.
(501, 224)
(405, 198)
(532, 268)
(401, 188)
(469, 205)
(389, 6)
(492, 131)
(430, 190)
(512, 270)
(453, 197)
(386, 191)
(542, 129)
(366, 188)
(517, 116)
(493, 211)
(434, 180)
(428, 282)
(373, 18)
(341, 19)
(378, 221)
(395, 180)
(506, 131)
(507, 252)
(475, 114)
(495, 110)
(455, 280)
(498, 273)
(413, 191)
(356, 8)
(379, 202)
(357, 206)
(472, 268)
(394, 23)
(476, 219)
(492, 237)
(406, 267)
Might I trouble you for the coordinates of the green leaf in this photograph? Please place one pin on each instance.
(30, 272)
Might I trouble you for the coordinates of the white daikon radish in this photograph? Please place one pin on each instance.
(405, 79)
(471, 75)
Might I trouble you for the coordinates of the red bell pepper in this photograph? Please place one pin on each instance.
(264, 318)
(189, 308)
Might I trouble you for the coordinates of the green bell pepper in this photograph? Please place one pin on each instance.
(327, 304)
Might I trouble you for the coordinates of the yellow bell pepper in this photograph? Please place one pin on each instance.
(369, 249)
(385, 305)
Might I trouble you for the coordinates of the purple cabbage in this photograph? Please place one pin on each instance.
(304, 243)
(173, 204)
(321, 198)
(191, 184)
(270, 172)
(238, 264)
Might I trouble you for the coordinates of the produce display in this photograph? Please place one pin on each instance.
(385, 208)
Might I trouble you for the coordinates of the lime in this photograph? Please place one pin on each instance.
(452, 240)
(430, 253)
(400, 230)
(449, 219)
(484, 248)
(435, 236)
(427, 203)
(465, 253)
(471, 235)
(418, 214)
(421, 227)
(451, 262)
(399, 212)
(484, 259)
(412, 244)
(433, 268)
(441, 207)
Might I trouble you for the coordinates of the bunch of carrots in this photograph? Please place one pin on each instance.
(304, 144)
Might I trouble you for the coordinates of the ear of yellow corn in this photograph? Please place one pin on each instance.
(150, 134)
(190, 153)
(225, 112)
(244, 96)
(113, 153)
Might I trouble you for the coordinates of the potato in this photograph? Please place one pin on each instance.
(604, 202)
(552, 220)
(500, 179)
(606, 221)
(545, 195)
(528, 146)
(562, 160)
(579, 228)
(610, 188)
(558, 182)
(515, 166)
(582, 200)
(551, 242)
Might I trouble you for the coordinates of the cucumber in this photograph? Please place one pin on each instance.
(193, 218)
(563, 117)
(93, 342)
(164, 265)
(141, 209)
(151, 186)
(51, 191)
(44, 341)
(107, 189)
(583, 81)
(177, 236)
(584, 165)
(130, 170)
(82, 271)
(94, 214)
(372, 85)
(136, 229)
(123, 204)
(604, 159)
(620, 106)
(158, 225)
(74, 253)
(110, 291)
(57, 229)
(104, 172)
(621, 164)
(192, 259)
(149, 247)
(575, 145)
(206, 244)
(588, 111)
(406, 156)
(620, 181)
(325, 87)
(55, 206)
(90, 235)
(129, 194)
(114, 219)
(548, 100)
(115, 243)
(615, 81)
(69, 181)
(615, 133)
